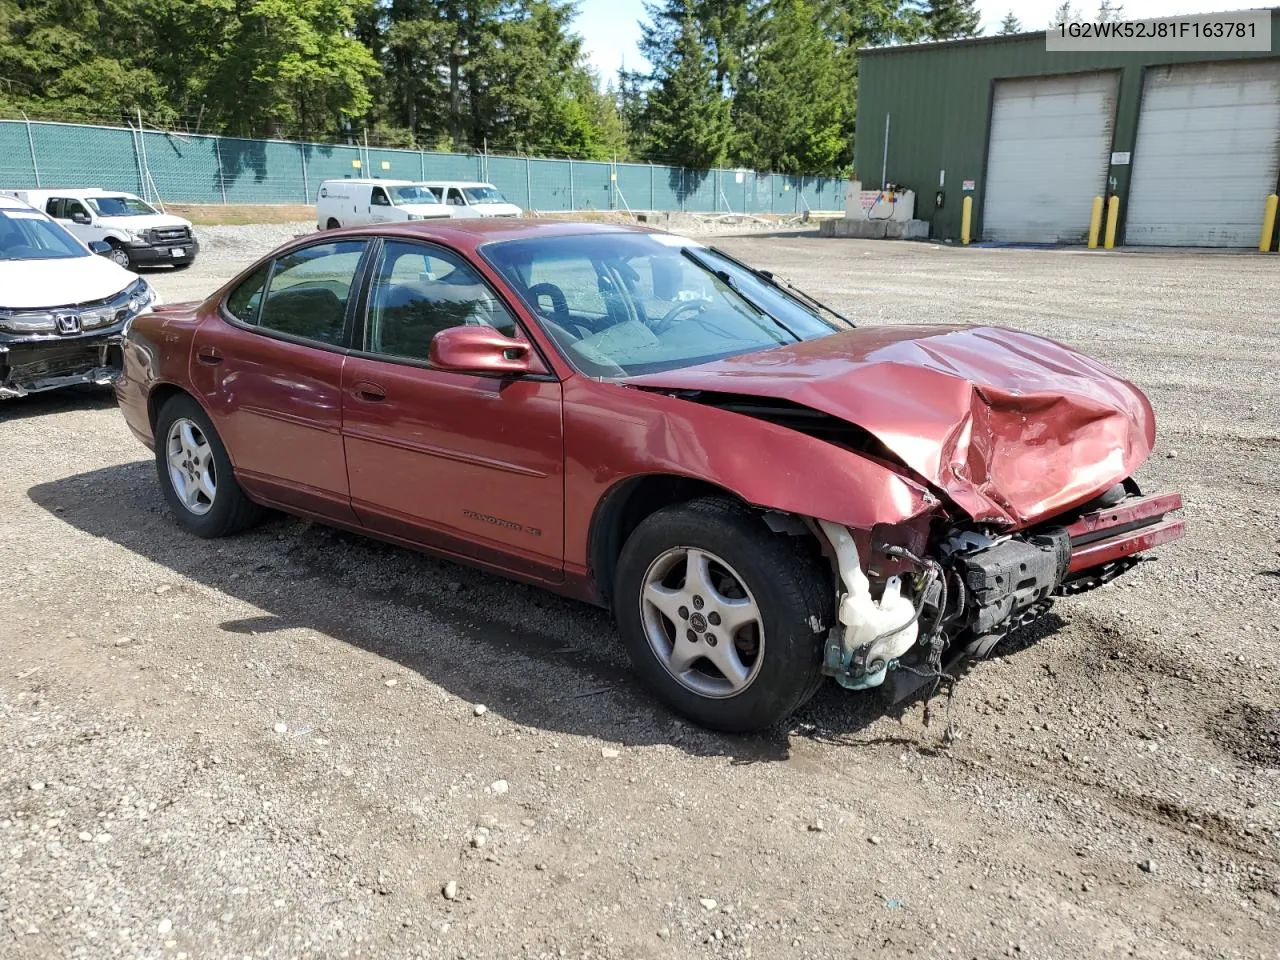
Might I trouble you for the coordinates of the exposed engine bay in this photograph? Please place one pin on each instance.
(910, 612)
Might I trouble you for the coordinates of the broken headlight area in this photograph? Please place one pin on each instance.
(921, 603)
(961, 597)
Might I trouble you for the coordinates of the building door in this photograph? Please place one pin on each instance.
(1048, 156)
(1207, 154)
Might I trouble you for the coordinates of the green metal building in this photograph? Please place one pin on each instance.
(1188, 142)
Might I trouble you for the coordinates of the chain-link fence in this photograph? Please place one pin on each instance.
(185, 168)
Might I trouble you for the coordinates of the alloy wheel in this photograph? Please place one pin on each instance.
(191, 468)
(702, 622)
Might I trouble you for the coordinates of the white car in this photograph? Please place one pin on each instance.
(63, 309)
(469, 198)
(138, 234)
(358, 203)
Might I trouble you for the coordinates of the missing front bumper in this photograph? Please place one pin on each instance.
(36, 366)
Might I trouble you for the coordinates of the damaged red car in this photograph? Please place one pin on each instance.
(763, 494)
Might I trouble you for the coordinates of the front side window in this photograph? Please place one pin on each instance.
(120, 207)
(306, 292)
(626, 304)
(380, 198)
(485, 195)
(413, 194)
(28, 235)
(420, 290)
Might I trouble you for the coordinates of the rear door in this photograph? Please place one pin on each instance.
(269, 368)
(472, 465)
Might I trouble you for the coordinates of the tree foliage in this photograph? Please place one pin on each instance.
(951, 19)
(1010, 24)
(762, 83)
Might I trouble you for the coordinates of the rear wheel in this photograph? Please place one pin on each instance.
(196, 474)
(724, 620)
(332, 224)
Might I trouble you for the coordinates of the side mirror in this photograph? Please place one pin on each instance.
(81, 218)
(100, 247)
(483, 350)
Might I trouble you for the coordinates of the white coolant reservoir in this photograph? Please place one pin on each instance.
(886, 627)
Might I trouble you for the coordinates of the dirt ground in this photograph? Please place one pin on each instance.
(269, 746)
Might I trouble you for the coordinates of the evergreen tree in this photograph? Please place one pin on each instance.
(1065, 13)
(1010, 24)
(790, 106)
(686, 115)
(1110, 11)
(951, 19)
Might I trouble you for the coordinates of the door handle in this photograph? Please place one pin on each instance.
(209, 355)
(368, 392)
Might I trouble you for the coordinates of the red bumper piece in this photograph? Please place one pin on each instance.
(1129, 527)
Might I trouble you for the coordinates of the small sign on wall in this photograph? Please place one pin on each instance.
(968, 186)
(1120, 159)
(355, 164)
(386, 165)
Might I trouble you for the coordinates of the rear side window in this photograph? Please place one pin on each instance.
(55, 207)
(308, 290)
(244, 301)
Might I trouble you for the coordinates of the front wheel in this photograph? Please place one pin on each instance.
(118, 255)
(723, 619)
(196, 473)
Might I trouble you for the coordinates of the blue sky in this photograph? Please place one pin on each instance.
(610, 27)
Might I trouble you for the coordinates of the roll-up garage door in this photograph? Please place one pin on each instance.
(1207, 154)
(1048, 156)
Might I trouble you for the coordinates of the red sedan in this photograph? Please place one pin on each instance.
(763, 494)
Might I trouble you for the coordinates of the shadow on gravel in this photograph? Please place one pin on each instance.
(538, 659)
(56, 401)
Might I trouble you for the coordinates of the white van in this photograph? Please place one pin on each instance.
(469, 198)
(139, 235)
(356, 203)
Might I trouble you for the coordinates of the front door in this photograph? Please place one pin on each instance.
(270, 370)
(472, 465)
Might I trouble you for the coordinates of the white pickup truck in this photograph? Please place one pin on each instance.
(139, 235)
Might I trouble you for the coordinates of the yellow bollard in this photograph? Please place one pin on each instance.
(1268, 223)
(1095, 223)
(1113, 220)
(966, 219)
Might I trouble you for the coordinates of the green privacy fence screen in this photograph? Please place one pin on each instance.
(183, 168)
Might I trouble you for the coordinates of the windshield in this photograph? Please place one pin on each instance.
(412, 194)
(625, 304)
(484, 195)
(29, 236)
(120, 206)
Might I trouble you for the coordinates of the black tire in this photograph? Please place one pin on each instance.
(184, 265)
(332, 224)
(119, 255)
(230, 511)
(792, 589)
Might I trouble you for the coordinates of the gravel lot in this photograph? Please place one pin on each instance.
(270, 746)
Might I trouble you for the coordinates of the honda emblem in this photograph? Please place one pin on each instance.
(67, 322)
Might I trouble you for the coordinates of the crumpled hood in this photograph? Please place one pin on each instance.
(1013, 428)
(33, 284)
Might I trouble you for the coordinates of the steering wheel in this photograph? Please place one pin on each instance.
(684, 306)
(559, 302)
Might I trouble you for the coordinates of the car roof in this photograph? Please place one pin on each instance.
(78, 192)
(455, 183)
(371, 181)
(13, 203)
(470, 233)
